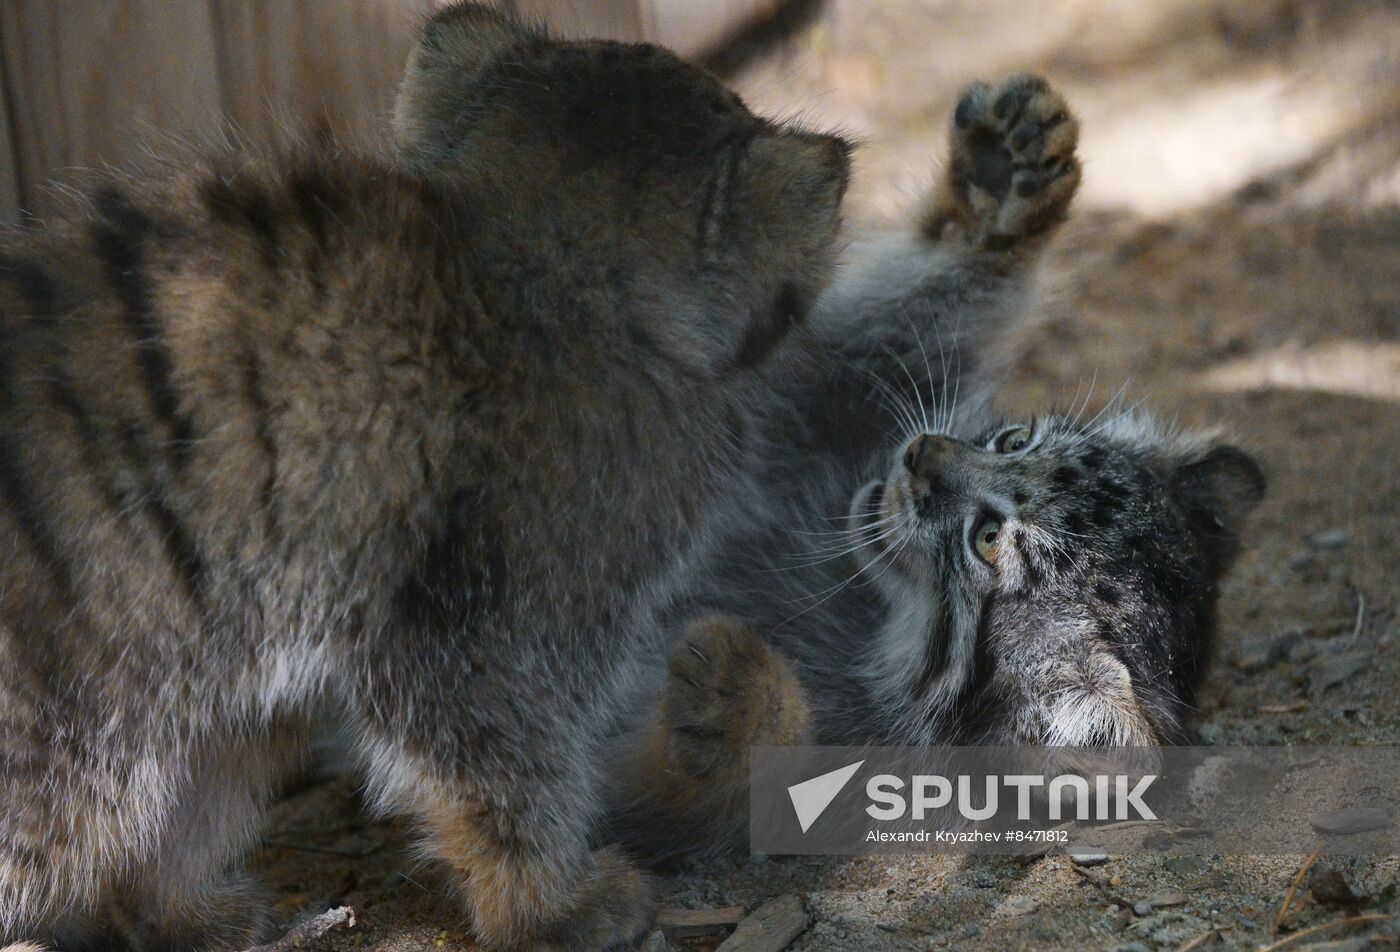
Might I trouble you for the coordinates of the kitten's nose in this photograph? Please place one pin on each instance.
(926, 453)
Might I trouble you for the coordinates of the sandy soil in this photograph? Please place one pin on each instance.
(1235, 260)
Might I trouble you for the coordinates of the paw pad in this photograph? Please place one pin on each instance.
(1013, 157)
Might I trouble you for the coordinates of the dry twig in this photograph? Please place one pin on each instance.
(312, 928)
(1202, 940)
(1293, 890)
(1325, 927)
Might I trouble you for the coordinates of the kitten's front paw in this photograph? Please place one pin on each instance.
(727, 692)
(1012, 170)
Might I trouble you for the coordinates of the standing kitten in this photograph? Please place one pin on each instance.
(415, 438)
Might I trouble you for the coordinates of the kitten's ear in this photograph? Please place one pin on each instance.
(454, 46)
(789, 182)
(774, 217)
(1224, 485)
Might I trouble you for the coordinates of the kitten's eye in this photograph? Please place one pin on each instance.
(1013, 441)
(986, 539)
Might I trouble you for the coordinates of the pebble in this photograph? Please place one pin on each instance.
(1142, 908)
(1169, 928)
(1019, 906)
(1184, 865)
(1351, 820)
(1337, 881)
(1329, 672)
(1266, 651)
(1164, 900)
(1087, 857)
(1331, 539)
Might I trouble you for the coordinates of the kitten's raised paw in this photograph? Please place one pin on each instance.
(727, 692)
(1012, 170)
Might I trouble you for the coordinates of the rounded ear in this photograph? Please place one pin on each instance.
(777, 212)
(790, 181)
(1225, 485)
(455, 45)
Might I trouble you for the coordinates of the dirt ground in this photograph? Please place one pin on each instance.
(1235, 260)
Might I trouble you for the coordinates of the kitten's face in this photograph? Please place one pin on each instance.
(651, 184)
(1055, 583)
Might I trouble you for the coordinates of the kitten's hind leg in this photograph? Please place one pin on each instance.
(725, 692)
(1012, 168)
(521, 859)
(188, 897)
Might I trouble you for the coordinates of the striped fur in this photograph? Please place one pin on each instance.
(410, 436)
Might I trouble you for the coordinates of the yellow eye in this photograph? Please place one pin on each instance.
(1013, 441)
(986, 539)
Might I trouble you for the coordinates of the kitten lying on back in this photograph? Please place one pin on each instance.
(415, 438)
(1045, 581)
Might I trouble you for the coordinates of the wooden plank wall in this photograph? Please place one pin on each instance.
(84, 83)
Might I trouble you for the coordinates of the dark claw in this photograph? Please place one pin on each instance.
(1005, 101)
(697, 652)
(962, 116)
(1024, 134)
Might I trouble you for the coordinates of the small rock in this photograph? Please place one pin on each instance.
(1087, 856)
(1184, 865)
(1019, 906)
(1168, 899)
(1335, 881)
(1351, 820)
(1169, 928)
(1331, 539)
(1257, 654)
(972, 931)
(1329, 672)
(1142, 908)
(1303, 651)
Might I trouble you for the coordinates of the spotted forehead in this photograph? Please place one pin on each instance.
(1105, 497)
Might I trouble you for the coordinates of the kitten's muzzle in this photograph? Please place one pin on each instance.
(927, 454)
